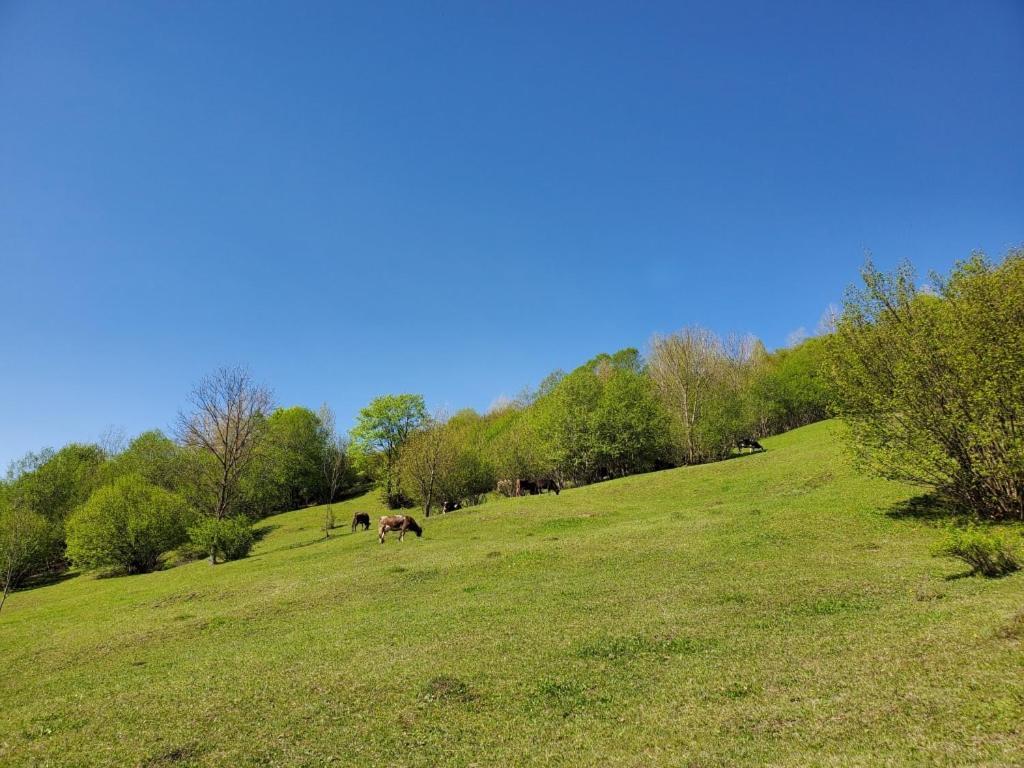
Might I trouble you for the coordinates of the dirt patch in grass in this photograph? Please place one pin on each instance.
(447, 688)
(172, 756)
(1012, 629)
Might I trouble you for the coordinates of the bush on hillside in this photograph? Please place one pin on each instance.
(989, 554)
(230, 538)
(29, 545)
(127, 526)
(930, 381)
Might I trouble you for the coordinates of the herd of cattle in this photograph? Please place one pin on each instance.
(518, 487)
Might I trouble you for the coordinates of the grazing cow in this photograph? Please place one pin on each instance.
(361, 518)
(400, 523)
(549, 484)
(751, 443)
(450, 506)
(524, 487)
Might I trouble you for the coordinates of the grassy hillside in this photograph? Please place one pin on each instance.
(763, 611)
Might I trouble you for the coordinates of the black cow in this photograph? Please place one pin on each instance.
(751, 443)
(361, 518)
(450, 506)
(549, 484)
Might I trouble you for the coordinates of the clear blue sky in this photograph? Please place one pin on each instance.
(456, 198)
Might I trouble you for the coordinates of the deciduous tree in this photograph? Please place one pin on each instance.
(226, 422)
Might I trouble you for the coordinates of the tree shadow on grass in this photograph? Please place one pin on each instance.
(934, 508)
(46, 580)
(929, 507)
(259, 533)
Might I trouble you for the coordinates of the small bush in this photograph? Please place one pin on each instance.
(30, 545)
(127, 525)
(231, 538)
(989, 554)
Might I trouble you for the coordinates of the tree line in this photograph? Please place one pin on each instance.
(233, 457)
(927, 377)
(688, 402)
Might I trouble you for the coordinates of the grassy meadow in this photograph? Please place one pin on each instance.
(775, 609)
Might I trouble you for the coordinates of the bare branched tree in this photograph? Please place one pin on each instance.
(225, 422)
(334, 463)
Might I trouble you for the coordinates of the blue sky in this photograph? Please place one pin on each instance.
(456, 198)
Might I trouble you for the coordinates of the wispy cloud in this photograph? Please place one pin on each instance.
(796, 336)
(500, 403)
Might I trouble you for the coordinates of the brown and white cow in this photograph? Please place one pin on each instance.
(400, 523)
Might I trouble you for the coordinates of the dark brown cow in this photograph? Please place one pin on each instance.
(751, 443)
(361, 518)
(400, 523)
(549, 484)
(524, 487)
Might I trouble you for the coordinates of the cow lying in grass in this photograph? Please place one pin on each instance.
(360, 518)
(751, 443)
(400, 523)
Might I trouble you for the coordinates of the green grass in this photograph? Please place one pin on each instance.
(760, 611)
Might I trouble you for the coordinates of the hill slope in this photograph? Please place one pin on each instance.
(764, 610)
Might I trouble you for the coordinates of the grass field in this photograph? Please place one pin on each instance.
(769, 610)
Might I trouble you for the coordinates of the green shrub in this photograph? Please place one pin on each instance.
(127, 526)
(989, 554)
(230, 538)
(29, 545)
(930, 382)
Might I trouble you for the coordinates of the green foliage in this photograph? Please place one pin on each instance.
(382, 428)
(446, 461)
(512, 444)
(988, 553)
(602, 417)
(931, 384)
(155, 458)
(127, 526)
(702, 382)
(288, 472)
(29, 543)
(788, 388)
(565, 423)
(229, 538)
(52, 484)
